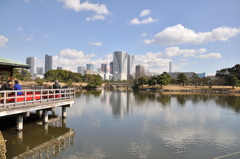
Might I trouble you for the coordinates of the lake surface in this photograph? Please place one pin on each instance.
(118, 124)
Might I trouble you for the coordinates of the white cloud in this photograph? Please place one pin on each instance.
(19, 28)
(178, 34)
(145, 12)
(29, 38)
(144, 21)
(27, 1)
(210, 55)
(3, 40)
(175, 51)
(95, 17)
(46, 36)
(183, 59)
(72, 53)
(144, 34)
(85, 6)
(97, 44)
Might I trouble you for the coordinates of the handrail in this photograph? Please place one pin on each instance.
(10, 99)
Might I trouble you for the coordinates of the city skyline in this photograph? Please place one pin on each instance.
(197, 36)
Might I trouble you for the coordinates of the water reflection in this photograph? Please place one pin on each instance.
(40, 141)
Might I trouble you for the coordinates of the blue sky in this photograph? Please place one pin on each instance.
(198, 36)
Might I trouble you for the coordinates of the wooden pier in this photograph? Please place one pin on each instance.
(41, 101)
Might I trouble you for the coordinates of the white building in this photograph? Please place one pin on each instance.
(81, 70)
(120, 61)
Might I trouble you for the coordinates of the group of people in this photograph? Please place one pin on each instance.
(8, 86)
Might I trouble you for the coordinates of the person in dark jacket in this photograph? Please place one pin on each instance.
(17, 86)
(56, 86)
(7, 86)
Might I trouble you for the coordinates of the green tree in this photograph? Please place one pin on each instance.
(142, 81)
(182, 78)
(195, 79)
(163, 79)
(232, 80)
(151, 82)
(21, 74)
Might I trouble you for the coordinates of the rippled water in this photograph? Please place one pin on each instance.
(117, 124)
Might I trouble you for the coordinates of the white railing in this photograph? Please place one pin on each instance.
(10, 99)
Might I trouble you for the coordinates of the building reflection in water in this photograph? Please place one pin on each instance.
(40, 141)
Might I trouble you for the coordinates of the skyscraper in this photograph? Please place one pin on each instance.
(81, 70)
(90, 67)
(140, 71)
(170, 66)
(104, 67)
(111, 67)
(39, 71)
(48, 63)
(30, 61)
(120, 61)
(130, 65)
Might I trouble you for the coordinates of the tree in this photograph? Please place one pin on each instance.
(151, 82)
(195, 79)
(232, 80)
(223, 74)
(163, 79)
(182, 78)
(142, 81)
(21, 74)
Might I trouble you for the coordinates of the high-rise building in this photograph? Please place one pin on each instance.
(170, 66)
(59, 68)
(104, 67)
(90, 67)
(30, 61)
(81, 70)
(140, 71)
(130, 65)
(111, 67)
(120, 61)
(48, 63)
(39, 71)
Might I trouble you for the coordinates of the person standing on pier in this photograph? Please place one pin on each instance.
(17, 86)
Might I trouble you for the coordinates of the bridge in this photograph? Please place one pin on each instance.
(117, 85)
(41, 101)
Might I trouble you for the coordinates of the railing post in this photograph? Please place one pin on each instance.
(4, 100)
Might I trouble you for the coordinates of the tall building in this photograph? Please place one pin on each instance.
(81, 70)
(48, 63)
(39, 71)
(140, 71)
(130, 65)
(30, 61)
(111, 67)
(59, 68)
(104, 67)
(90, 67)
(120, 61)
(170, 66)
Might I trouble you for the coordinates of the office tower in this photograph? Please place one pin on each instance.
(130, 65)
(120, 61)
(30, 61)
(104, 67)
(111, 67)
(59, 68)
(170, 66)
(140, 71)
(81, 70)
(48, 63)
(39, 71)
(90, 67)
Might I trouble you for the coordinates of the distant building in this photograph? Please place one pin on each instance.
(201, 75)
(81, 70)
(59, 68)
(170, 66)
(111, 67)
(39, 71)
(188, 74)
(139, 71)
(120, 60)
(99, 70)
(130, 64)
(104, 67)
(48, 63)
(30, 61)
(90, 67)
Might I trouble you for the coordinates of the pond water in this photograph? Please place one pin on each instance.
(120, 124)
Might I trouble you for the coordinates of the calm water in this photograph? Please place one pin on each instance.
(104, 124)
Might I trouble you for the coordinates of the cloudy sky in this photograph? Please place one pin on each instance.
(199, 36)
